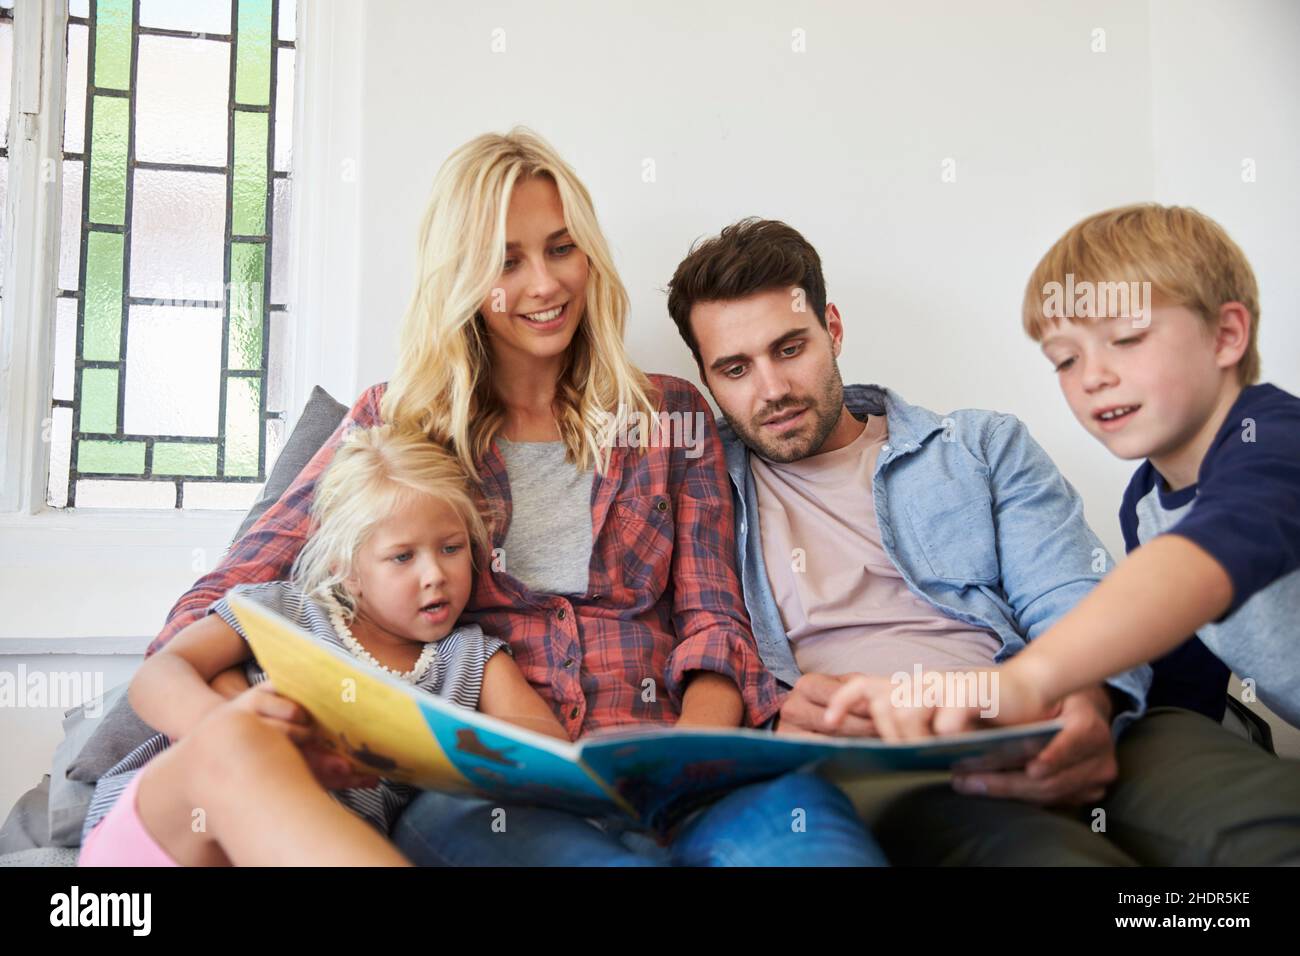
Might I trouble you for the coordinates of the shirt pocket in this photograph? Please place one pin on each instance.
(953, 524)
(646, 535)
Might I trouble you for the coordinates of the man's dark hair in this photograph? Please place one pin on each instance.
(749, 256)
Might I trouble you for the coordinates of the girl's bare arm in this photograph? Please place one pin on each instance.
(508, 695)
(172, 692)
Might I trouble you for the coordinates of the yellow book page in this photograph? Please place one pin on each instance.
(377, 726)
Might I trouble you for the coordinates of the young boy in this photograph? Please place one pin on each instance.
(1149, 314)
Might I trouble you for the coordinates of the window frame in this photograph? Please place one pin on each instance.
(323, 328)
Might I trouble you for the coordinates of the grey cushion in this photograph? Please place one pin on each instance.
(28, 823)
(121, 730)
(101, 742)
(54, 856)
(320, 417)
(70, 796)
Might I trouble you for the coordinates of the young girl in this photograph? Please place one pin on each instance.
(385, 575)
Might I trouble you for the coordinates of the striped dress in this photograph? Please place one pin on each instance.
(454, 671)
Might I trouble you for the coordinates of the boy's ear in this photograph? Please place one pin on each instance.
(1233, 335)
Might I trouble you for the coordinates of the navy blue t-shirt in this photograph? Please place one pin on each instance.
(1245, 513)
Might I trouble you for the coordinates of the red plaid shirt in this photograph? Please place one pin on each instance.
(662, 596)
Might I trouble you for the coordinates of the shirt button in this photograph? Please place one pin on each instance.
(573, 714)
(560, 614)
(569, 662)
(661, 505)
(885, 449)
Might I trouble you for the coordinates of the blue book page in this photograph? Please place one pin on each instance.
(664, 774)
(515, 765)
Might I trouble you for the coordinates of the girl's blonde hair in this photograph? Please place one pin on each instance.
(443, 386)
(375, 472)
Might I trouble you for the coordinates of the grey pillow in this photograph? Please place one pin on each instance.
(70, 796)
(121, 730)
(27, 827)
(91, 747)
(320, 417)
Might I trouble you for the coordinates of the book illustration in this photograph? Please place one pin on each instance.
(468, 742)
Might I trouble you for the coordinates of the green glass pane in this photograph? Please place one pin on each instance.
(103, 329)
(253, 53)
(247, 273)
(110, 124)
(99, 400)
(249, 218)
(110, 457)
(113, 44)
(184, 458)
(243, 426)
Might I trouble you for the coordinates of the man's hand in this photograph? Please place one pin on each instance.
(1075, 768)
(804, 709)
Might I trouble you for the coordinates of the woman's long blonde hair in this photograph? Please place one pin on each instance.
(443, 383)
(375, 471)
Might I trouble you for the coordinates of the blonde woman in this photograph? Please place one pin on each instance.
(610, 570)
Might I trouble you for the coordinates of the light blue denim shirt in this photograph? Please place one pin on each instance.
(975, 516)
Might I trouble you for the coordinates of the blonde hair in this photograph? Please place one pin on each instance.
(1186, 256)
(443, 386)
(375, 472)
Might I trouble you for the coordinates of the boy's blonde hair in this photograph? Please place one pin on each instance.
(1187, 257)
(443, 382)
(374, 472)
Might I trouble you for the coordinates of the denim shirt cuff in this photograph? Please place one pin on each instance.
(1123, 718)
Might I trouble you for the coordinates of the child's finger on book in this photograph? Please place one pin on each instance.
(955, 720)
(282, 708)
(858, 689)
(294, 731)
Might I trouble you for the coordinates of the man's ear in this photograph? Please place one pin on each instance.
(1233, 334)
(834, 328)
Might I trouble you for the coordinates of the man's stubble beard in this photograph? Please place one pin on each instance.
(826, 412)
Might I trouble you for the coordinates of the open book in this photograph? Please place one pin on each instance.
(656, 775)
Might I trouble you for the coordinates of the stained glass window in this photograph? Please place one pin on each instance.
(168, 377)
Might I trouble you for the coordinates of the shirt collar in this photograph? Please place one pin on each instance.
(909, 425)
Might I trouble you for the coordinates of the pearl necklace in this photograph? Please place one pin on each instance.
(352, 644)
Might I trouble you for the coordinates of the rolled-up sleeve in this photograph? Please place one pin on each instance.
(712, 628)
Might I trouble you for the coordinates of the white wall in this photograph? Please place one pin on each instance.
(844, 141)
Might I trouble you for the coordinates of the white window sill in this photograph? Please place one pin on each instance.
(99, 581)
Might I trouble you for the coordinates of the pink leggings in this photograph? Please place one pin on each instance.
(120, 839)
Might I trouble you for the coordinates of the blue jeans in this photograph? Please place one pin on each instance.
(795, 820)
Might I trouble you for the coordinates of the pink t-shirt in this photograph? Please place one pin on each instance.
(845, 607)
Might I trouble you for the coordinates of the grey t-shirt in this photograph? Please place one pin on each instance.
(548, 543)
